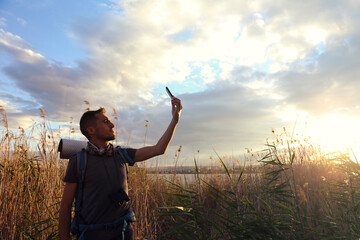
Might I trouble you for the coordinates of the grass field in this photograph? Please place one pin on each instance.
(291, 190)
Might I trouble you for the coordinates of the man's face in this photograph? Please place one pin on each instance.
(104, 129)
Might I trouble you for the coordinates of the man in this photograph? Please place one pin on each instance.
(104, 197)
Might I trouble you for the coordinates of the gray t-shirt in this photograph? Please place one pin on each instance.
(104, 176)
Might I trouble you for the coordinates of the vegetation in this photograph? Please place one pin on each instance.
(291, 190)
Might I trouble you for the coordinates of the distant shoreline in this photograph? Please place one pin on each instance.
(200, 170)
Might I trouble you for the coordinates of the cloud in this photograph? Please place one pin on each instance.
(256, 61)
(15, 117)
(60, 89)
(49, 85)
(228, 117)
(21, 21)
(19, 49)
(332, 82)
(2, 21)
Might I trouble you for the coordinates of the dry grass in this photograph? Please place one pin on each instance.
(30, 181)
(297, 192)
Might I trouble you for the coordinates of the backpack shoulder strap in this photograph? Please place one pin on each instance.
(81, 160)
(81, 164)
(128, 159)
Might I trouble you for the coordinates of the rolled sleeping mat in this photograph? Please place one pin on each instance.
(68, 148)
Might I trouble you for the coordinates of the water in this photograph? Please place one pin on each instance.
(192, 178)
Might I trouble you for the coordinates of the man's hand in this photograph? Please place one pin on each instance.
(176, 108)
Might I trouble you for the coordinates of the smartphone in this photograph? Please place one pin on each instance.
(169, 93)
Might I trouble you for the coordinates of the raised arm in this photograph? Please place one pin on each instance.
(161, 146)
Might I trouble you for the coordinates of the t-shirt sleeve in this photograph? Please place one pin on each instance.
(71, 171)
(131, 153)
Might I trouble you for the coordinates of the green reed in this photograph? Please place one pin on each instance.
(289, 199)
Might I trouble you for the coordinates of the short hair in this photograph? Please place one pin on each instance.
(88, 119)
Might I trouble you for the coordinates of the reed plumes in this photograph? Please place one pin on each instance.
(286, 198)
(30, 183)
(290, 190)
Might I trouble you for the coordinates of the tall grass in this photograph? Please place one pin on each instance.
(30, 180)
(290, 190)
(299, 193)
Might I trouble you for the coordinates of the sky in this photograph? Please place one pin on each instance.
(241, 69)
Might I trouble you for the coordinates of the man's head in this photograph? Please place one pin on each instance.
(95, 124)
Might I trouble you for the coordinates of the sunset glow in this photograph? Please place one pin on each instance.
(336, 132)
(240, 68)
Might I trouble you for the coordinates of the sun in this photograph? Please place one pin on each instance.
(335, 132)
